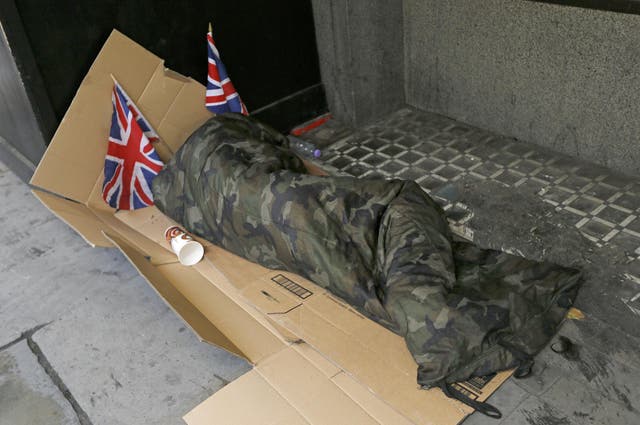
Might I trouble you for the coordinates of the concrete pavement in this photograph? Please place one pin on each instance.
(84, 339)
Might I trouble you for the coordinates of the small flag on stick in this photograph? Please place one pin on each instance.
(131, 162)
(137, 115)
(221, 95)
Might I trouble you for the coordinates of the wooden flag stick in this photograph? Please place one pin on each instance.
(113, 78)
(210, 27)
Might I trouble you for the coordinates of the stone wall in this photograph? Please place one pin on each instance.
(563, 77)
(360, 45)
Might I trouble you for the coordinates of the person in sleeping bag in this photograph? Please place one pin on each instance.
(383, 246)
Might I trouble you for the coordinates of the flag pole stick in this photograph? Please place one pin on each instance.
(210, 28)
(113, 78)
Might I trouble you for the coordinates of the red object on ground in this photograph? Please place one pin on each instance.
(311, 125)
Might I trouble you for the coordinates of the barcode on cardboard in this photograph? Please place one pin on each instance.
(465, 391)
(472, 387)
(479, 382)
(291, 286)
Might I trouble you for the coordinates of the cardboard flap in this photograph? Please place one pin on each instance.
(77, 216)
(251, 334)
(287, 388)
(151, 223)
(366, 399)
(239, 272)
(310, 392)
(176, 300)
(185, 115)
(358, 346)
(249, 400)
(270, 298)
(75, 156)
(255, 334)
(156, 253)
(160, 93)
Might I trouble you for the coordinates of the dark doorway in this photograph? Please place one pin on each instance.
(268, 48)
(622, 6)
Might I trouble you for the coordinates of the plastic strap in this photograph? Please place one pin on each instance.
(481, 406)
(525, 361)
(524, 369)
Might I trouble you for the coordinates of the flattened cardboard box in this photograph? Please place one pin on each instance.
(317, 360)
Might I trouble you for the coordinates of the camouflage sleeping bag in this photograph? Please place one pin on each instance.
(381, 245)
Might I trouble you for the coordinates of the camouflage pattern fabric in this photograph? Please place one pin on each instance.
(381, 245)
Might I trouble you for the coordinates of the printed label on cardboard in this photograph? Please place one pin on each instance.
(291, 286)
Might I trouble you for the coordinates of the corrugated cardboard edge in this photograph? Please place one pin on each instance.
(75, 157)
(197, 321)
(290, 388)
(77, 216)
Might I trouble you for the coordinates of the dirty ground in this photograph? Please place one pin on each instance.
(524, 199)
(84, 337)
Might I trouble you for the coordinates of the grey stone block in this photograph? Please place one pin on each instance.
(610, 413)
(562, 77)
(122, 353)
(603, 366)
(543, 376)
(128, 359)
(46, 267)
(588, 405)
(27, 394)
(534, 411)
(361, 57)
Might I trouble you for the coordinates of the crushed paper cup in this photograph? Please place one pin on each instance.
(189, 252)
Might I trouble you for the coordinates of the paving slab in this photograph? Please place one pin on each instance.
(508, 398)
(45, 267)
(594, 386)
(610, 370)
(27, 395)
(128, 359)
(122, 353)
(534, 411)
(570, 403)
(588, 405)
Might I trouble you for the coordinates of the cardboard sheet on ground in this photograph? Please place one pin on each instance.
(317, 360)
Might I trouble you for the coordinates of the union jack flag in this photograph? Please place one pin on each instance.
(131, 162)
(137, 115)
(221, 95)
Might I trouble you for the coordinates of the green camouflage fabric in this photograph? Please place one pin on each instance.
(381, 245)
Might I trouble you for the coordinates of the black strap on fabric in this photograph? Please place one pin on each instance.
(481, 406)
(525, 361)
(524, 369)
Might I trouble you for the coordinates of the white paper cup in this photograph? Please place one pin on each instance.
(189, 252)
